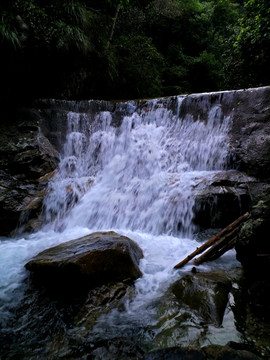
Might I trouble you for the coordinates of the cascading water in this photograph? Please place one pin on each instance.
(138, 176)
(137, 179)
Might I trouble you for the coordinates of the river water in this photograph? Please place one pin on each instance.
(137, 179)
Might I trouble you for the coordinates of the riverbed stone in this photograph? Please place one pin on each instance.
(87, 262)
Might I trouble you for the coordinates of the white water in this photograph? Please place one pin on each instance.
(138, 180)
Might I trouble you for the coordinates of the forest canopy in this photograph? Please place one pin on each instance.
(123, 49)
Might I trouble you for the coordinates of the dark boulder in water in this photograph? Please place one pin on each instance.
(87, 262)
(206, 293)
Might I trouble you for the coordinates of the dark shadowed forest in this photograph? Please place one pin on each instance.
(123, 49)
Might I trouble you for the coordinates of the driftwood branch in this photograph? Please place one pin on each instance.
(225, 236)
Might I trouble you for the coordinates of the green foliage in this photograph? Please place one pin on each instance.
(255, 23)
(55, 24)
(207, 72)
(125, 49)
(140, 66)
(252, 44)
(121, 3)
(9, 30)
(224, 16)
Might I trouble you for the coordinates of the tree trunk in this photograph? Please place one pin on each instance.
(113, 26)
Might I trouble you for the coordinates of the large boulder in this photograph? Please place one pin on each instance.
(87, 262)
(225, 197)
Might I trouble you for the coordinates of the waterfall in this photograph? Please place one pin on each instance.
(132, 168)
(140, 175)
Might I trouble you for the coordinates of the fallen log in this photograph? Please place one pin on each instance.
(224, 244)
(212, 241)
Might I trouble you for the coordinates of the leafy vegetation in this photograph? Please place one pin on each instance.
(116, 49)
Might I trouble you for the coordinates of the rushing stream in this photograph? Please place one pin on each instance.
(137, 179)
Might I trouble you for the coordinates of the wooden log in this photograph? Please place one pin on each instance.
(211, 241)
(224, 244)
(223, 250)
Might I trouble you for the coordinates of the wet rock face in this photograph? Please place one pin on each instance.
(250, 133)
(95, 259)
(253, 251)
(227, 196)
(26, 156)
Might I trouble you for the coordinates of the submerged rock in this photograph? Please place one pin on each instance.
(81, 264)
(194, 306)
(206, 293)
